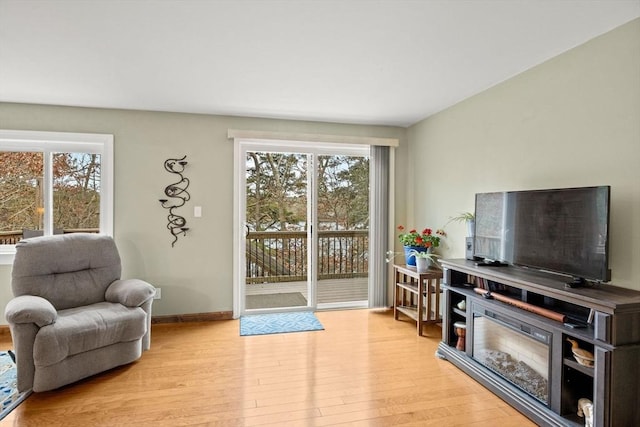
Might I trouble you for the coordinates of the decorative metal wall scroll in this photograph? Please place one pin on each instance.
(178, 194)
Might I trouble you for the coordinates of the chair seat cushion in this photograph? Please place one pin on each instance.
(81, 329)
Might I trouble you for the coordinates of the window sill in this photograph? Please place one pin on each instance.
(7, 253)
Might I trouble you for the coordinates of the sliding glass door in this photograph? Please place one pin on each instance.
(276, 249)
(306, 227)
(342, 210)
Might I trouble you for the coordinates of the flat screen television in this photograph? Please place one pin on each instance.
(564, 231)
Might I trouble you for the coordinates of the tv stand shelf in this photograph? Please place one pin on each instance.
(575, 365)
(603, 297)
(609, 317)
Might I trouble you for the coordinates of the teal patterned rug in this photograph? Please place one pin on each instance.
(8, 388)
(279, 323)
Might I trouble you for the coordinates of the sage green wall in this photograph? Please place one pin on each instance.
(195, 275)
(571, 121)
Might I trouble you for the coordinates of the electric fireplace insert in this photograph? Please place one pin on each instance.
(513, 349)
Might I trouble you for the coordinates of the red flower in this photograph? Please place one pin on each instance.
(425, 239)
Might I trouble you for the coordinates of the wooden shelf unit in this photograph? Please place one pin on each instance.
(417, 295)
(612, 384)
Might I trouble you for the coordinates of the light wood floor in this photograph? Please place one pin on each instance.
(364, 369)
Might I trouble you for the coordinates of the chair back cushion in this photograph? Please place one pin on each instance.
(69, 270)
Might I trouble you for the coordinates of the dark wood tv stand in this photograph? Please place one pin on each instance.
(609, 327)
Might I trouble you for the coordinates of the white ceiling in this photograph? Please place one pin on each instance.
(349, 61)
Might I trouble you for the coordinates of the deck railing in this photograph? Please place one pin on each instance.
(14, 236)
(281, 256)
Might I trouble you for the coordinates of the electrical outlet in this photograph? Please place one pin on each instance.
(158, 294)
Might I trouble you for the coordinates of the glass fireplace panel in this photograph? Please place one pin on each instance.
(517, 352)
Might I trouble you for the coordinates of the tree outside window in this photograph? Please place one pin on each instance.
(76, 192)
(53, 182)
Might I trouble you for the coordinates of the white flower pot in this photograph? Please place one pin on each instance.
(422, 264)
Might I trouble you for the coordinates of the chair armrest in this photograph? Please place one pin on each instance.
(30, 309)
(130, 292)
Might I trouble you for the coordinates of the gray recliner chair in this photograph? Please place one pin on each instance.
(72, 316)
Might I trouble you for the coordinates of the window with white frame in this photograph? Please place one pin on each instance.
(53, 183)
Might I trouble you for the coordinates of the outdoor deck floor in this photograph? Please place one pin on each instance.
(329, 291)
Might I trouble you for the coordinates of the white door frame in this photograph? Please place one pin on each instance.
(241, 147)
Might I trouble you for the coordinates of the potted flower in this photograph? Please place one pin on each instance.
(467, 217)
(414, 242)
